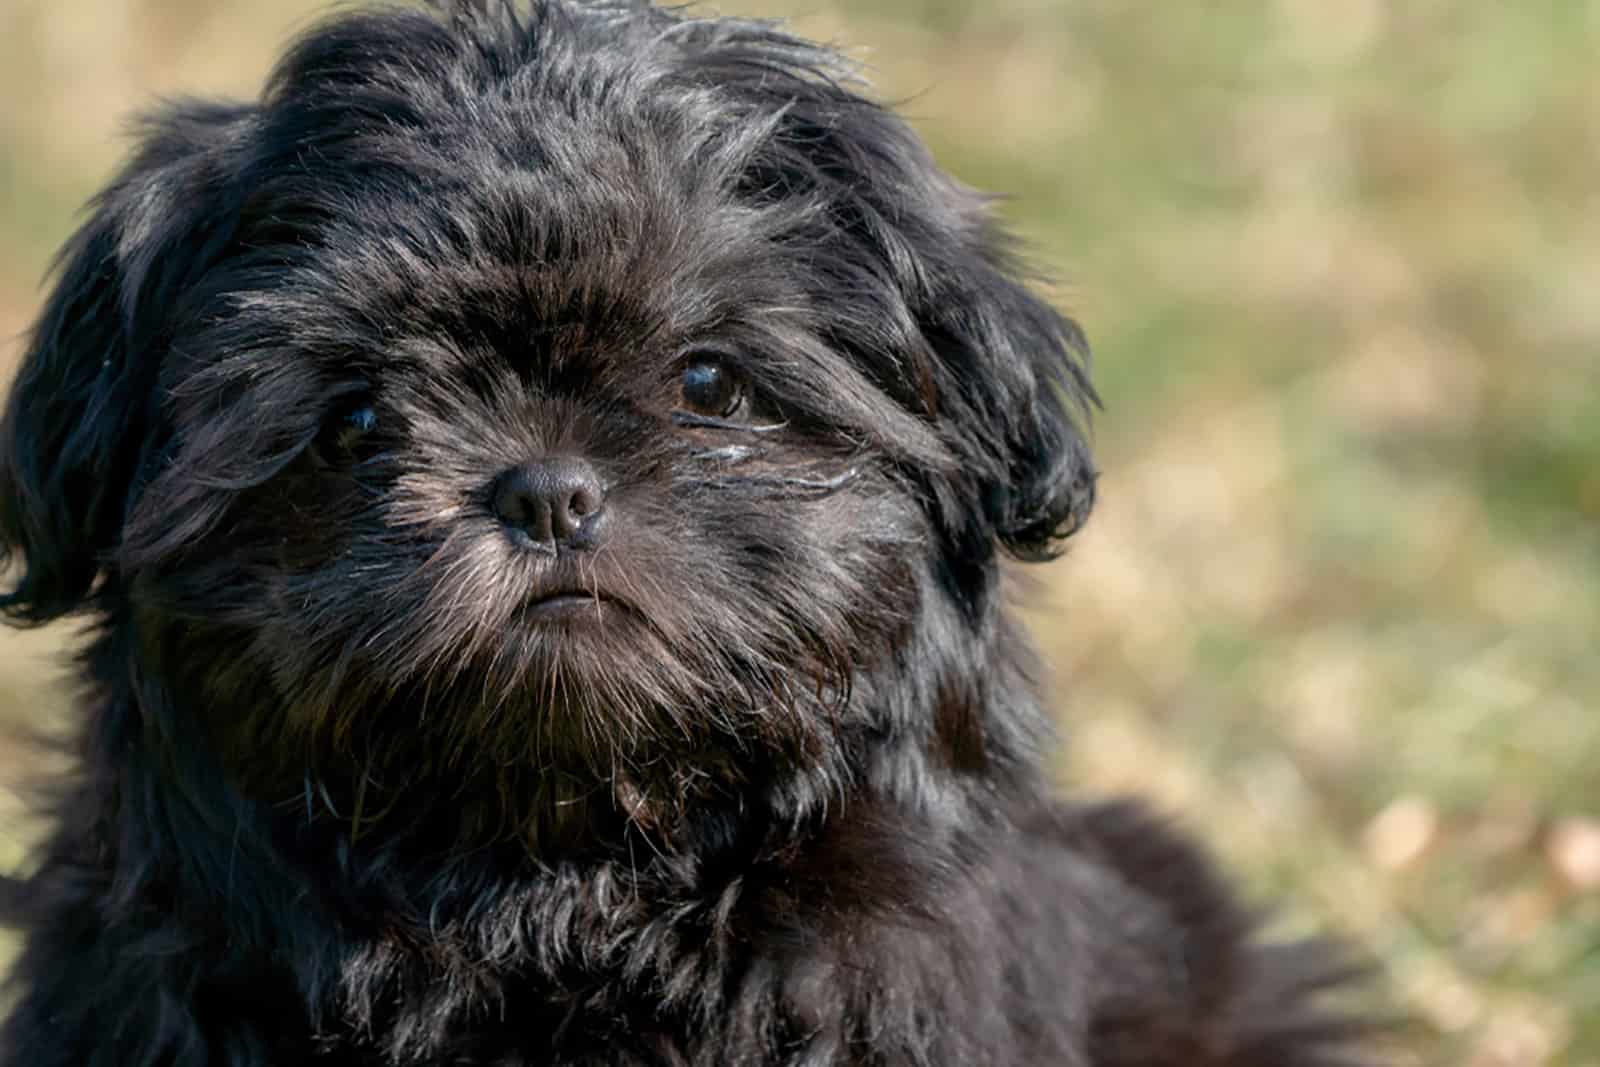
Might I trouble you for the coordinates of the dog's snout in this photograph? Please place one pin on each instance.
(557, 502)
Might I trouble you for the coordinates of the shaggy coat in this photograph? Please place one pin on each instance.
(536, 482)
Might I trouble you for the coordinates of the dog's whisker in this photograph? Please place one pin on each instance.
(798, 485)
(706, 422)
(730, 454)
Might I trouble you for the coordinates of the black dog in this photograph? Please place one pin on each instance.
(538, 479)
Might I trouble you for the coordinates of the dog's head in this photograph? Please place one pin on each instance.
(575, 384)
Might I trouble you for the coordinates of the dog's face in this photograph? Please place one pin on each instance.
(556, 389)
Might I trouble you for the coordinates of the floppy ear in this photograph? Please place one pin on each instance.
(938, 302)
(1015, 372)
(83, 411)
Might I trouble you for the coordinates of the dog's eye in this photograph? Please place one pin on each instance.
(348, 434)
(710, 388)
(354, 425)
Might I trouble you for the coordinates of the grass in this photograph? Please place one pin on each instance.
(1339, 608)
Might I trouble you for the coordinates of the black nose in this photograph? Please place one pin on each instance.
(556, 502)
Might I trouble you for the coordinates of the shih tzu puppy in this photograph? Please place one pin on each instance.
(537, 481)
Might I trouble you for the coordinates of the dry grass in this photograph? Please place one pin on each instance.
(1339, 608)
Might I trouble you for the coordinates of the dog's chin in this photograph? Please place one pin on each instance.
(571, 677)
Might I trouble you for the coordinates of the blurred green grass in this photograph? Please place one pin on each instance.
(1341, 263)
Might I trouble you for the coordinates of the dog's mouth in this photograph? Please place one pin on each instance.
(567, 604)
(562, 606)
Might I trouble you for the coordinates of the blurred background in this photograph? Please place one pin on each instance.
(1339, 609)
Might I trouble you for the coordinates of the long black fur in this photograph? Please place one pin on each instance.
(780, 801)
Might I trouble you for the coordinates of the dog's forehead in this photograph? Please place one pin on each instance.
(524, 222)
(538, 279)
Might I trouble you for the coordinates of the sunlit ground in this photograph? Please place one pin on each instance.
(1340, 606)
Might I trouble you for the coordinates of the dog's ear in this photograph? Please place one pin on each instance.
(929, 292)
(1013, 388)
(80, 412)
(1000, 375)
